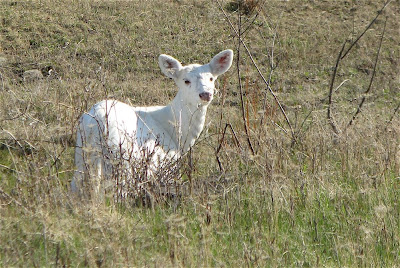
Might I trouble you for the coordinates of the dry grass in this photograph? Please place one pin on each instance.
(320, 201)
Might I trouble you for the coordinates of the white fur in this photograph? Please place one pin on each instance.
(113, 130)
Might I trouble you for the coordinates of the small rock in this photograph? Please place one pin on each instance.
(3, 61)
(32, 75)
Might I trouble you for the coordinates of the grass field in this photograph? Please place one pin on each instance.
(306, 196)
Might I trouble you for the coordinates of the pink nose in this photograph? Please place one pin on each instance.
(205, 96)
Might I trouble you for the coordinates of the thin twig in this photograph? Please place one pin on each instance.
(222, 140)
(8, 168)
(223, 137)
(272, 66)
(302, 124)
(334, 91)
(394, 113)
(222, 103)
(329, 114)
(258, 69)
(340, 85)
(366, 29)
(370, 81)
(13, 138)
(2, 81)
(246, 128)
(12, 199)
(249, 25)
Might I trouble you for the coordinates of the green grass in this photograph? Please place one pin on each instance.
(321, 201)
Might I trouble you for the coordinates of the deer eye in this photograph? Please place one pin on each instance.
(187, 82)
(211, 79)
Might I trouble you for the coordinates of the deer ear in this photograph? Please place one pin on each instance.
(221, 62)
(169, 66)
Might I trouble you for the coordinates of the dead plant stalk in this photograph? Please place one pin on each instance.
(245, 121)
(370, 81)
(258, 70)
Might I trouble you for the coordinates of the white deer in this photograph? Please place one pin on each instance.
(114, 132)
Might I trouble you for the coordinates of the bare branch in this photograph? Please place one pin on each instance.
(329, 115)
(370, 81)
(258, 69)
(222, 140)
(272, 66)
(366, 29)
(246, 129)
(394, 113)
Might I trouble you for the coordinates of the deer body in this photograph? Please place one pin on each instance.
(113, 130)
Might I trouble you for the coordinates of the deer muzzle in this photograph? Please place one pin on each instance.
(205, 96)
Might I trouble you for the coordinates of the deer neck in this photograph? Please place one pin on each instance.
(182, 121)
